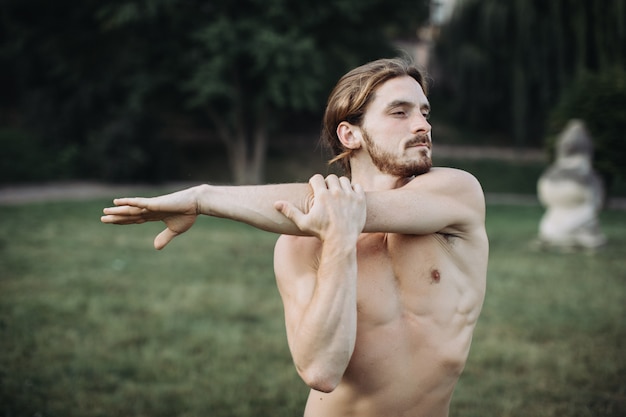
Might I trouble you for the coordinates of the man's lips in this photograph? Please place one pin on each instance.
(418, 145)
(418, 142)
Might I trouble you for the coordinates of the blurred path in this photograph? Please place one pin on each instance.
(77, 191)
(80, 191)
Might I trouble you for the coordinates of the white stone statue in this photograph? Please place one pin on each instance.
(572, 192)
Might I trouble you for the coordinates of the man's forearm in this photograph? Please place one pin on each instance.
(254, 205)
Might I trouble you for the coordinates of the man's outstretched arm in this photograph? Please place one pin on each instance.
(443, 199)
(254, 205)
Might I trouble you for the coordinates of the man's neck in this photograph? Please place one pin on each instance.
(377, 181)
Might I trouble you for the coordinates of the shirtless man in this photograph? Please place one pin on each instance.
(382, 275)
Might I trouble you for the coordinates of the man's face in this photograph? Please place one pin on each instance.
(395, 129)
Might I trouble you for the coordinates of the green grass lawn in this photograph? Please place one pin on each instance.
(94, 322)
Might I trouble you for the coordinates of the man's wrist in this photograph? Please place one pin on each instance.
(340, 244)
(199, 195)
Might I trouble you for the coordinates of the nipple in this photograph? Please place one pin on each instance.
(435, 276)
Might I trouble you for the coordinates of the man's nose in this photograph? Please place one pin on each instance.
(420, 124)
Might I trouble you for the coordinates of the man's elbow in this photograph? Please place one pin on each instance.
(320, 378)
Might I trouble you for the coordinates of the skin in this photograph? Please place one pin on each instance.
(382, 277)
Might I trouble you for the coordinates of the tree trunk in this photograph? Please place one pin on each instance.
(519, 90)
(579, 21)
(259, 149)
(246, 152)
(238, 157)
(518, 105)
(558, 29)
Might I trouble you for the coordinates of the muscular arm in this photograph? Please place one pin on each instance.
(317, 279)
(318, 290)
(254, 205)
(443, 199)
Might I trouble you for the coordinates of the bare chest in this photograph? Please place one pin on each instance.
(405, 274)
(393, 271)
(416, 312)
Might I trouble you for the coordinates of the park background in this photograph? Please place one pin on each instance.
(143, 96)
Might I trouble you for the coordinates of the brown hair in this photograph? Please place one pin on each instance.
(349, 99)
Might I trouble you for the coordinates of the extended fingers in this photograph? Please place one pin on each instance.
(123, 215)
(114, 219)
(124, 210)
(131, 201)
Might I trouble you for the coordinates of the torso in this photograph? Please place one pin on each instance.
(417, 303)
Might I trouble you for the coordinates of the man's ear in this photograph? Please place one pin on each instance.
(349, 135)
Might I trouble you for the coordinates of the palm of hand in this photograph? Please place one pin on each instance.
(177, 211)
(179, 223)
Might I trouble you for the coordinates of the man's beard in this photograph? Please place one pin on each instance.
(388, 163)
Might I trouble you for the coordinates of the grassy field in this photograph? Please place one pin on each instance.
(94, 322)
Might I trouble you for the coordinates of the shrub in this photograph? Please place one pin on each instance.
(26, 158)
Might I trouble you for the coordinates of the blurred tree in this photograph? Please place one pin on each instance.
(67, 81)
(243, 65)
(504, 64)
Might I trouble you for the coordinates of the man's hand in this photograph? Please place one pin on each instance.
(178, 211)
(338, 209)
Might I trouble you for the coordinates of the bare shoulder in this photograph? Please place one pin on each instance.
(458, 199)
(450, 178)
(451, 182)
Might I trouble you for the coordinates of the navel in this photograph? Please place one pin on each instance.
(435, 276)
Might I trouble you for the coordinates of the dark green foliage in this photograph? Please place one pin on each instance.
(76, 72)
(24, 158)
(599, 100)
(128, 147)
(503, 65)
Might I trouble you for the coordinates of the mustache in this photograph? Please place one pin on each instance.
(421, 139)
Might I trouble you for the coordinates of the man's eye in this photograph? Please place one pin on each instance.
(398, 113)
(426, 115)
